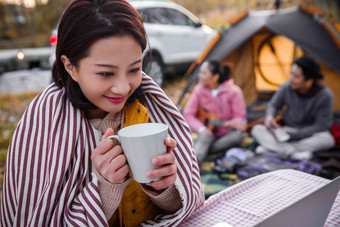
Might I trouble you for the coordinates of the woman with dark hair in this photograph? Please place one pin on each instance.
(307, 110)
(216, 110)
(61, 169)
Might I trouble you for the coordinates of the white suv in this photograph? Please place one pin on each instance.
(175, 37)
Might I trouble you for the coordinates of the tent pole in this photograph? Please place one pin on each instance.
(324, 5)
(317, 3)
(336, 9)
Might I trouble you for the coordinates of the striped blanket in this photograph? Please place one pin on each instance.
(49, 178)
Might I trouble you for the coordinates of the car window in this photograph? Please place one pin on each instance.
(178, 18)
(154, 16)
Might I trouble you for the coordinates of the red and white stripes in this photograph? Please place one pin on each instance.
(49, 179)
(161, 109)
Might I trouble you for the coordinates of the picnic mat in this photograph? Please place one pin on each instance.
(213, 182)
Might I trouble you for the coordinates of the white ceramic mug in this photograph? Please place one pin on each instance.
(141, 143)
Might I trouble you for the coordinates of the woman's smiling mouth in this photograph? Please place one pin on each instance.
(116, 100)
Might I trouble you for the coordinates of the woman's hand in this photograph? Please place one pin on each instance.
(237, 125)
(168, 172)
(109, 161)
(208, 132)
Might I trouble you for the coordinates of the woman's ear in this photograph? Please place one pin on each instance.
(216, 77)
(71, 69)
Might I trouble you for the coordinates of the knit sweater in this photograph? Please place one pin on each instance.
(303, 116)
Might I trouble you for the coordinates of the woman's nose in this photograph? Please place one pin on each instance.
(121, 86)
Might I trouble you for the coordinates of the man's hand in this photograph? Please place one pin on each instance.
(109, 161)
(270, 123)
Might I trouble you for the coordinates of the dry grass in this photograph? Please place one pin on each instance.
(11, 109)
(12, 106)
(219, 19)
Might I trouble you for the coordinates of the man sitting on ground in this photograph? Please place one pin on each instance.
(307, 110)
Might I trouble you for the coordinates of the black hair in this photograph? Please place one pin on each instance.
(83, 23)
(310, 68)
(222, 70)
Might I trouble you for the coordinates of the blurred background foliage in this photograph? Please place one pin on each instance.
(218, 13)
(28, 23)
(28, 27)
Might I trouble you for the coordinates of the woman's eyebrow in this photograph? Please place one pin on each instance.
(139, 60)
(106, 65)
(114, 66)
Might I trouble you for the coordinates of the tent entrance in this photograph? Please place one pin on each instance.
(273, 59)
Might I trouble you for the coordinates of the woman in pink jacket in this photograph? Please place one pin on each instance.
(216, 110)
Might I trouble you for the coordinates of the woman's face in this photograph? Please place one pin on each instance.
(110, 73)
(206, 78)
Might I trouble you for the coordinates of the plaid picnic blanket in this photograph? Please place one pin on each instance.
(254, 199)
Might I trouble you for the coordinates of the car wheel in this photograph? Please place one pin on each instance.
(156, 72)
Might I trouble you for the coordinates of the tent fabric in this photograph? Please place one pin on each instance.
(308, 33)
(294, 23)
(241, 71)
(239, 47)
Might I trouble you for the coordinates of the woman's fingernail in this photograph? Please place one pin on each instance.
(149, 174)
(155, 161)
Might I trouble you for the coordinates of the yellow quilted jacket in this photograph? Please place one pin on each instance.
(135, 207)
